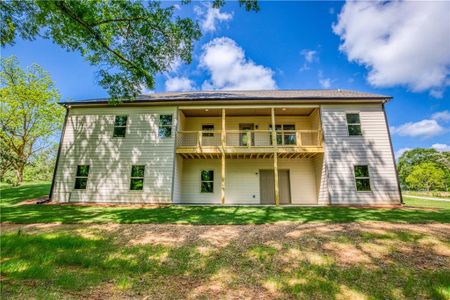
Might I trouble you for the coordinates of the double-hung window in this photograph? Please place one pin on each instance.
(353, 124)
(81, 177)
(137, 178)
(285, 134)
(207, 181)
(362, 178)
(208, 130)
(120, 126)
(165, 126)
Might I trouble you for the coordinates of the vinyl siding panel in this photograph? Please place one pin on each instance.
(88, 140)
(373, 149)
(232, 123)
(242, 180)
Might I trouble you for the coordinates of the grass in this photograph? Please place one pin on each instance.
(200, 214)
(426, 203)
(326, 257)
(133, 261)
(434, 194)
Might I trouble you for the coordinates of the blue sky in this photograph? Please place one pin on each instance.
(304, 45)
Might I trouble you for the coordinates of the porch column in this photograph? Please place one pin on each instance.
(222, 135)
(275, 158)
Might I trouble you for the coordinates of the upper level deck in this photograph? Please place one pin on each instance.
(248, 132)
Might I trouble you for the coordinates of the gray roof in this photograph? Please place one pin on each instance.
(248, 95)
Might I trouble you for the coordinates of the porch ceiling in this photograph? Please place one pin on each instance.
(215, 112)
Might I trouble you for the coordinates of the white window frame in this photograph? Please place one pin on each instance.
(347, 123)
(201, 181)
(208, 133)
(369, 178)
(165, 126)
(122, 126)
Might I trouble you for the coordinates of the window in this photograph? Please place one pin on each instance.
(362, 178)
(81, 177)
(208, 128)
(137, 178)
(285, 134)
(165, 126)
(207, 179)
(120, 126)
(353, 124)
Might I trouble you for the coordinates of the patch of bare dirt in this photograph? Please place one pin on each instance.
(284, 248)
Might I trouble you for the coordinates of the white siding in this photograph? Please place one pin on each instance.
(343, 152)
(177, 194)
(232, 123)
(88, 140)
(321, 179)
(242, 180)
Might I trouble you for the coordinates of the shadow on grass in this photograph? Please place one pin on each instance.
(215, 215)
(64, 262)
(196, 214)
(13, 195)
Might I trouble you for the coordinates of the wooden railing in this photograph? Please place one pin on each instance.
(249, 138)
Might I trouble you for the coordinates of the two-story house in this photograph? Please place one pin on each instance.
(303, 147)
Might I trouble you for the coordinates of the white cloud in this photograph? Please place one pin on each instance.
(424, 128)
(437, 93)
(179, 84)
(324, 82)
(210, 16)
(401, 42)
(231, 70)
(441, 147)
(399, 152)
(441, 116)
(309, 55)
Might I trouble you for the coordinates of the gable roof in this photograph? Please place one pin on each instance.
(245, 95)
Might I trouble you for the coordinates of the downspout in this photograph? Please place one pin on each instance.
(61, 140)
(393, 156)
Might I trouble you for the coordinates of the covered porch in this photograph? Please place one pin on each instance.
(257, 155)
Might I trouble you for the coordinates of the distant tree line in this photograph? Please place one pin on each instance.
(423, 169)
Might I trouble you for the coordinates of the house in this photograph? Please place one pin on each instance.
(300, 147)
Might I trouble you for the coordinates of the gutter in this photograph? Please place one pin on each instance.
(393, 156)
(61, 140)
(175, 101)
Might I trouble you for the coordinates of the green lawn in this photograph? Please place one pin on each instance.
(200, 214)
(325, 256)
(426, 203)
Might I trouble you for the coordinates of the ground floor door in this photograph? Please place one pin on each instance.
(267, 186)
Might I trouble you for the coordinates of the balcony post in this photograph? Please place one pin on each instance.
(199, 139)
(275, 158)
(222, 135)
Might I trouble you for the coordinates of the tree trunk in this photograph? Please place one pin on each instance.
(19, 173)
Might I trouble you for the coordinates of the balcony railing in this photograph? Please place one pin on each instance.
(250, 138)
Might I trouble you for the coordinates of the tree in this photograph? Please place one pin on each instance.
(29, 113)
(130, 41)
(41, 165)
(426, 176)
(414, 157)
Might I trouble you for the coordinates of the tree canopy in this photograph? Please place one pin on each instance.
(413, 160)
(129, 41)
(426, 176)
(29, 113)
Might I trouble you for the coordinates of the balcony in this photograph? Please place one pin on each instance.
(249, 143)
